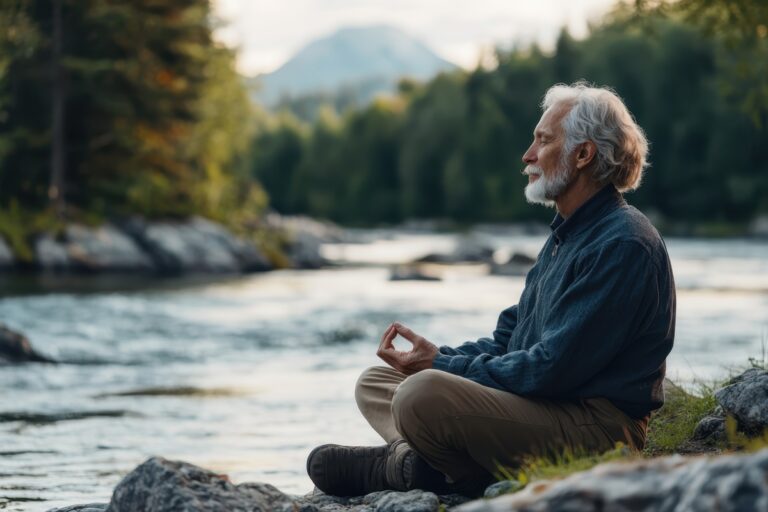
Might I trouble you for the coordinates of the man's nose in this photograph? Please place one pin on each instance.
(529, 157)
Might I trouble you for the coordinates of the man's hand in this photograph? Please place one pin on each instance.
(419, 358)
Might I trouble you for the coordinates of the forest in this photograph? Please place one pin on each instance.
(112, 108)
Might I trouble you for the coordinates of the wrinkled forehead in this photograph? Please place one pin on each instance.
(551, 120)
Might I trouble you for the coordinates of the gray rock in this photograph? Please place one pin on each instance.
(710, 429)
(411, 501)
(746, 398)
(197, 245)
(104, 248)
(160, 485)
(50, 253)
(502, 487)
(736, 483)
(325, 232)
(6, 255)
(410, 273)
(467, 250)
(305, 237)
(89, 507)
(16, 348)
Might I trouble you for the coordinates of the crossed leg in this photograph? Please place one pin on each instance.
(467, 431)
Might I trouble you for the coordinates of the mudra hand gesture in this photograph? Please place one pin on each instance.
(419, 358)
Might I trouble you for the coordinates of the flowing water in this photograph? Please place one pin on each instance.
(245, 375)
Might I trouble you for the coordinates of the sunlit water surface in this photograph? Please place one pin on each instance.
(244, 376)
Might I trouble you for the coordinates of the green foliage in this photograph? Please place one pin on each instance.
(157, 121)
(742, 28)
(451, 147)
(562, 465)
(18, 225)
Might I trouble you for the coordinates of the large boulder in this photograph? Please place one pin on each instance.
(6, 255)
(51, 253)
(305, 237)
(161, 485)
(726, 483)
(746, 399)
(197, 245)
(16, 348)
(103, 248)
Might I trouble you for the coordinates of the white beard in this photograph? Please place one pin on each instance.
(544, 190)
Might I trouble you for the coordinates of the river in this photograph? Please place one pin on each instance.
(246, 375)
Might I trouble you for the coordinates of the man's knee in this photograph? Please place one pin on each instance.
(421, 398)
(368, 384)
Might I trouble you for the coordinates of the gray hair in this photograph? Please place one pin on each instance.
(600, 116)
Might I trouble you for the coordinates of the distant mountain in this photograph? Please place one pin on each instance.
(371, 58)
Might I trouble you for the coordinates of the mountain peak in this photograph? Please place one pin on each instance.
(349, 56)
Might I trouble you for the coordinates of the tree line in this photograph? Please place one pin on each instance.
(451, 148)
(112, 108)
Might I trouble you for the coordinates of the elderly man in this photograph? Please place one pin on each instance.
(576, 365)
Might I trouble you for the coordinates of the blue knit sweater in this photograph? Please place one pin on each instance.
(596, 317)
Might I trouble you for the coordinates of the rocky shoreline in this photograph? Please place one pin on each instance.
(734, 478)
(699, 483)
(171, 247)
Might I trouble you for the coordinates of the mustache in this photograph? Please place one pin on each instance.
(532, 170)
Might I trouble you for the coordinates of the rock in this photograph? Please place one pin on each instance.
(410, 273)
(305, 237)
(90, 507)
(6, 255)
(197, 245)
(247, 255)
(160, 485)
(304, 251)
(467, 250)
(503, 487)
(518, 264)
(727, 483)
(104, 248)
(411, 501)
(50, 253)
(710, 429)
(325, 232)
(16, 348)
(746, 399)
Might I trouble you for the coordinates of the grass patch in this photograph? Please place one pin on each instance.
(561, 466)
(673, 425)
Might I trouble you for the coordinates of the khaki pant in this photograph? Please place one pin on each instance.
(467, 431)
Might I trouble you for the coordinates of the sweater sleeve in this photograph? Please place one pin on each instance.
(580, 333)
(496, 345)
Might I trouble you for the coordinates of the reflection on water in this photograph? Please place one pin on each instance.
(246, 375)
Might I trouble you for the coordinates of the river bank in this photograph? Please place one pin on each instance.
(136, 246)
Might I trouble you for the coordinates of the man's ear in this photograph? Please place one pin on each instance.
(585, 154)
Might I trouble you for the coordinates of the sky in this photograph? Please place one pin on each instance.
(269, 32)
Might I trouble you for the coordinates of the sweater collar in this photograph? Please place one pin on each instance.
(604, 201)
